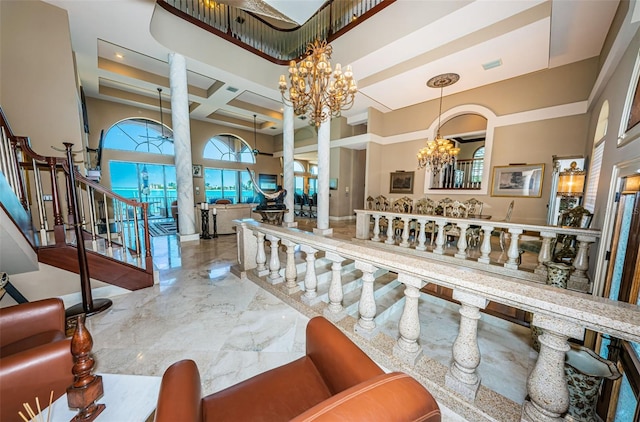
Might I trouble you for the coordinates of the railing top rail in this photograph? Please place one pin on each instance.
(599, 314)
(574, 231)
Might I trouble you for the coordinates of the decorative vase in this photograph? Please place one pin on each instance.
(558, 274)
(584, 371)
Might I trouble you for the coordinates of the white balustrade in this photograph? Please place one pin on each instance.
(422, 236)
(405, 232)
(366, 326)
(310, 277)
(513, 253)
(407, 347)
(261, 257)
(376, 228)
(291, 271)
(334, 310)
(545, 252)
(274, 260)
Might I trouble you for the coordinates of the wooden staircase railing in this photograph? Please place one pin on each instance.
(114, 229)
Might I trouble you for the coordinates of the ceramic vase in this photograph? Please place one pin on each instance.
(558, 274)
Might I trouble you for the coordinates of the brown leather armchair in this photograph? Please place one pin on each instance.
(35, 355)
(334, 381)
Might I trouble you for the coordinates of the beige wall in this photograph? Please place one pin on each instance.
(38, 90)
(348, 166)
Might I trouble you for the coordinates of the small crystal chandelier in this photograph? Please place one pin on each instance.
(439, 152)
(313, 90)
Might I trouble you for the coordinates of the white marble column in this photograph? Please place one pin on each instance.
(324, 168)
(462, 376)
(182, 146)
(287, 158)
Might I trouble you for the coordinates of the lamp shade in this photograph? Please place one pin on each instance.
(631, 184)
(571, 181)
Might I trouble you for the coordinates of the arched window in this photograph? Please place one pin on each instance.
(227, 147)
(478, 165)
(141, 135)
(313, 170)
(298, 167)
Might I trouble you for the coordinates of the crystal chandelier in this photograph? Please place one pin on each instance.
(313, 89)
(439, 152)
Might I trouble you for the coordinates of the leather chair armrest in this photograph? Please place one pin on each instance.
(180, 396)
(338, 360)
(28, 319)
(34, 373)
(394, 397)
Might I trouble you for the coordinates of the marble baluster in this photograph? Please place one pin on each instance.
(578, 279)
(274, 261)
(390, 235)
(439, 249)
(545, 254)
(290, 271)
(422, 236)
(310, 295)
(407, 347)
(366, 325)
(335, 311)
(261, 257)
(547, 386)
(462, 241)
(405, 232)
(485, 247)
(513, 253)
(376, 228)
(462, 376)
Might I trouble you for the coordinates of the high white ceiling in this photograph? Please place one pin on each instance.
(122, 49)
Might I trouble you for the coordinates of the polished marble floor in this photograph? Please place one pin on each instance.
(235, 329)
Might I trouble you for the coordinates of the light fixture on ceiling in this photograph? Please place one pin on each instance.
(313, 90)
(439, 151)
(571, 181)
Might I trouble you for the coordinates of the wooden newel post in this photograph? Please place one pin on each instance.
(86, 387)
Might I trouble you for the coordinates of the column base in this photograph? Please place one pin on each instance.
(408, 357)
(484, 260)
(188, 237)
(310, 300)
(467, 391)
(261, 273)
(461, 255)
(580, 284)
(289, 224)
(323, 232)
(369, 334)
(511, 266)
(275, 280)
(334, 316)
(532, 413)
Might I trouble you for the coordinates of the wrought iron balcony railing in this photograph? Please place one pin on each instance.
(277, 45)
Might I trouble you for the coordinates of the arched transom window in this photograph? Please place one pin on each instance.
(227, 147)
(140, 135)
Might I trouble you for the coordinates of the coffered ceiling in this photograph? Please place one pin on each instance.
(122, 49)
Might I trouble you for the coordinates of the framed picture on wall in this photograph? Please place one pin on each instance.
(196, 170)
(401, 182)
(518, 181)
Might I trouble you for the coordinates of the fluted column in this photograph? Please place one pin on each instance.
(335, 311)
(407, 347)
(422, 236)
(439, 249)
(310, 295)
(290, 271)
(513, 253)
(261, 257)
(462, 376)
(485, 247)
(324, 161)
(547, 386)
(545, 254)
(182, 146)
(376, 228)
(287, 158)
(462, 241)
(274, 261)
(366, 326)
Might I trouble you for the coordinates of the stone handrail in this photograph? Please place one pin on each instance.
(560, 313)
(547, 234)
